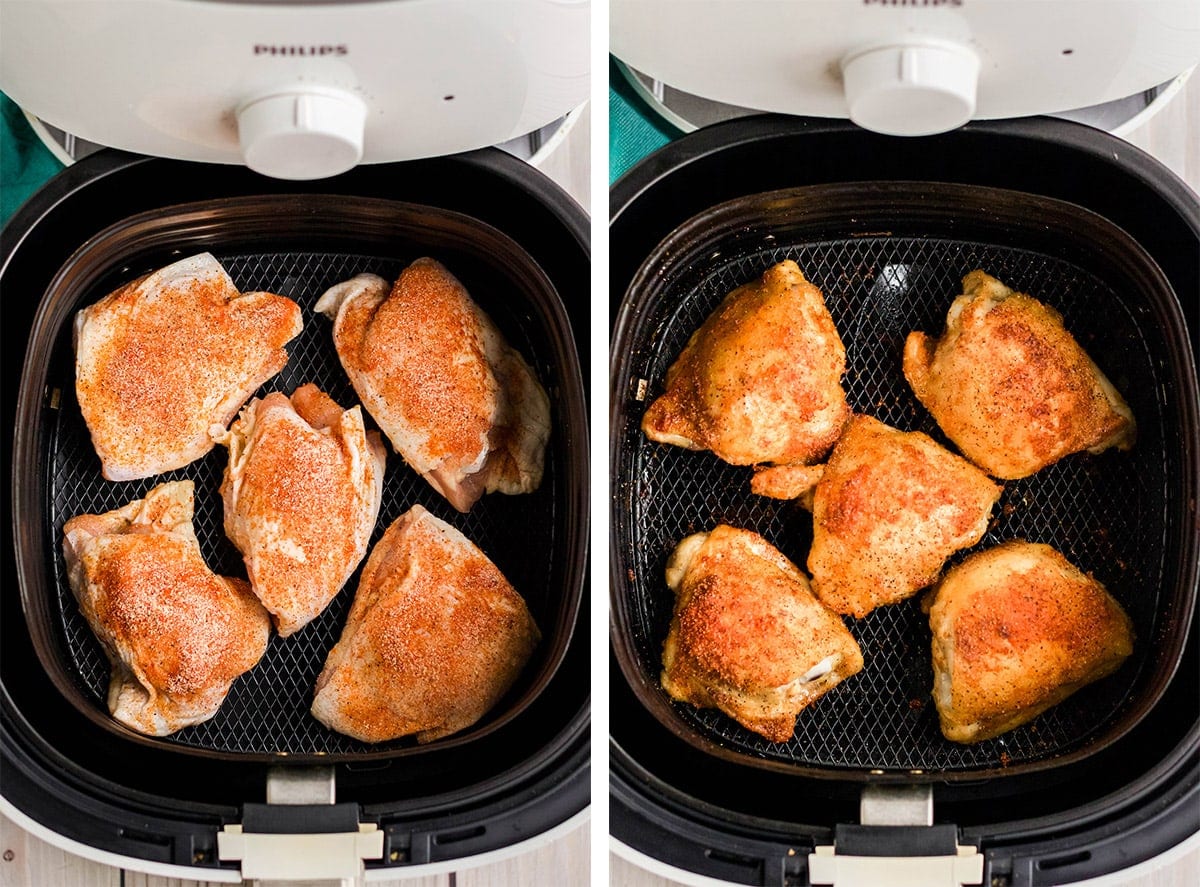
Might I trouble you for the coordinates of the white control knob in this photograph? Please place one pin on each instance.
(911, 89)
(302, 133)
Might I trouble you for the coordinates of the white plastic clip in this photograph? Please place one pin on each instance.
(884, 806)
(332, 860)
(826, 867)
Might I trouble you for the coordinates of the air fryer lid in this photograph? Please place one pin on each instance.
(906, 68)
(297, 90)
(299, 246)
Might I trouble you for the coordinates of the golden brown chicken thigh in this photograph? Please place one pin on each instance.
(1017, 629)
(889, 509)
(1010, 386)
(460, 405)
(176, 634)
(747, 636)
(435, 637)
(161, 360)
(301, 491)
(760, 380)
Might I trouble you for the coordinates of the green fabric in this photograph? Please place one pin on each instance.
(25, 163)
(634, 130)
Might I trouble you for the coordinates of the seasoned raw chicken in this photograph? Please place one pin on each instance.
(177, 635)
(462, 407)
(160, 360)
(1017, 629)
(747, 636)
(888, 511)
(301, 491)
(435, 637)
(1010, 386)
(760, 380)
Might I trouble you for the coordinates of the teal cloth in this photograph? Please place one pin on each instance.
(25, 163)
(634, 129)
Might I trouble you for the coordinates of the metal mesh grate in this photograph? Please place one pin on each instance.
(267, 710)
(1105, 513)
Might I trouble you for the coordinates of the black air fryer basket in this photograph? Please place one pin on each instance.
(519, 244)
(297, 246)
(887, 228)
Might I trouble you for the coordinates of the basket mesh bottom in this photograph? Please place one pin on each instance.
(1105, 513)
(267, 710)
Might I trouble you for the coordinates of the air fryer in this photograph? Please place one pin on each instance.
(67, 770)
(699, 798)
(333, 194)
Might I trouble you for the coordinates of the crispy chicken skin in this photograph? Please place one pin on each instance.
(787, 482)
(435, 637)
(301, 491)
(459, 404)
(177, 635)
(1010, 386)
(1017, 629)
(162, 359)
(889, 509)
(747, 636)
(760, 380)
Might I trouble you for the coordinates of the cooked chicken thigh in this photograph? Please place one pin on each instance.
(177, 635)
(760, 380)
(888, 511)
(462, 407)
(1017, 629)
(434, 639)
(1010, 386)
(747, 636)
(160, 360)
(302, 490)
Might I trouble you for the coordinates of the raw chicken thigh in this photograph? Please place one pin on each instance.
(435, 637)
(460, 405)
(177, 635)
(160, 360)
(302, 490)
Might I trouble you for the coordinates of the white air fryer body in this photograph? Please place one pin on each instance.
(908, 67)
(297, 90)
